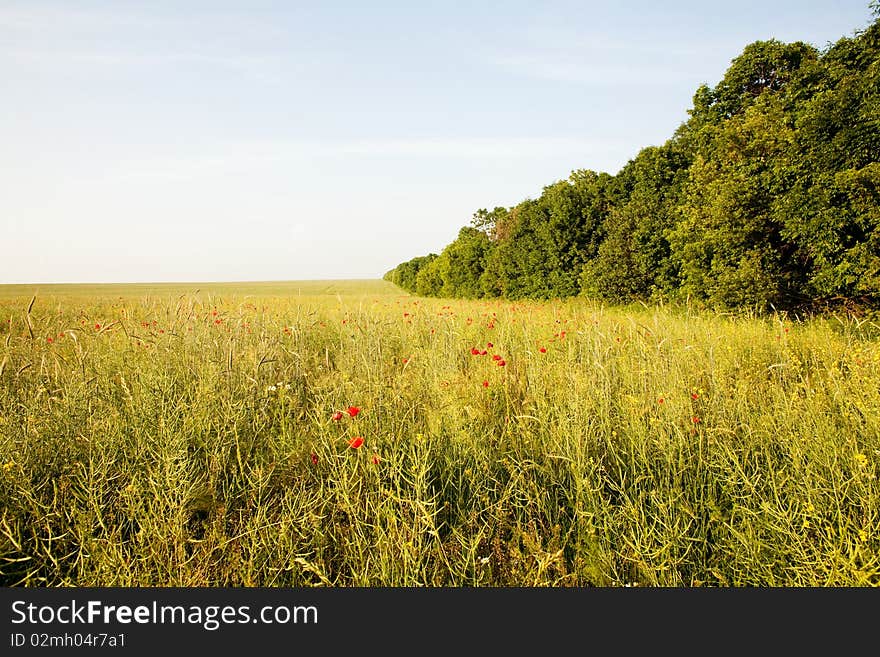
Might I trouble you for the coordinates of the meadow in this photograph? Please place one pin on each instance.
(346, 433)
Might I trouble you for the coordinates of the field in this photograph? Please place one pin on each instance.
(344, 433)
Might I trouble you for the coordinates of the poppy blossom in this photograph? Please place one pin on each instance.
(336, 416)
(489, 345)
(483, 352)
(375, 459)
(314, 459)
(695, 419)
(496, 357)
(353, 411)
(49, 340)
(355, 442)
(502, 363)
(485, 384)
(694, 395)
(405, 360)
(475, 351)
(543, 350)
(97, 327)
(660, 401)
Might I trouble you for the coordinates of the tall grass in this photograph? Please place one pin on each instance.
(175, 436)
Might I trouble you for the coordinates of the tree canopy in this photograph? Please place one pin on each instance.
(768, 196)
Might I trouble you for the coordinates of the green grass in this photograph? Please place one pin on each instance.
(154, 442)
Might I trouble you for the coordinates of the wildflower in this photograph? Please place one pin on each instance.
(543, 350)
(484, 352)
(489, 345)
(97, 327)
(502, 363)
(271, 389)
(660, 401)
(861, 460)
(353, 411)
(376, 459)
(496, 357)
(336, 416)
(695, 419)
(49, 340)
(485, 384)
(475, 351)
(405, 360)
(355, 442)
(694, 396)
(314, 459)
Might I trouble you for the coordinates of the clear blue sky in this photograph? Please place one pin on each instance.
(198, 141)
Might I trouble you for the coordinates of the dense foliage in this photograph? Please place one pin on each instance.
(768, 196)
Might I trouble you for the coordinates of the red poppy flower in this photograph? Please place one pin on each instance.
(694, 395)
(355, 442)
(660, 401)
(353, 411)
(485, 384)
(49, 340)
(496, 357)
(489, 345)
(314, 459)
(475, 351)
(543, 350)
(405, 361)
(375, 459)
(483, 352)
(502, 363)
(695, 419)
(97, 327)
(336, 416)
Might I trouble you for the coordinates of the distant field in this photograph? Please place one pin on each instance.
(344, 433)
(249, 288)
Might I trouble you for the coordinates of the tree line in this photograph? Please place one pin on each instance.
(767, 196)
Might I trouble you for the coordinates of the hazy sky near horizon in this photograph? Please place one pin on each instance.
(226, 141)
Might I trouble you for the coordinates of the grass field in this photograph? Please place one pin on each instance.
(344, 433)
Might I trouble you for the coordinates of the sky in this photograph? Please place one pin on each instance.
(243, 141)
